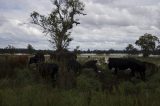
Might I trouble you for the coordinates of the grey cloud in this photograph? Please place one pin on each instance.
(3, 20)
(126, 3)
(11, 32)
(103, 1)
(111, 23)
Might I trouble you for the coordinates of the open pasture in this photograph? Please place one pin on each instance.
(23, 86)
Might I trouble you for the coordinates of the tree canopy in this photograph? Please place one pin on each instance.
(147, 42)
(30, 48)
(130, 49)
(60, 21)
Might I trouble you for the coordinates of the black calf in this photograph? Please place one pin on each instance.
(48, 70)
(91, 64)
(74, 65)
(39, 57)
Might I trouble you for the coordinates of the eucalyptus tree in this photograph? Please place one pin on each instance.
(60, 21)
(58, 25)
(148, 43)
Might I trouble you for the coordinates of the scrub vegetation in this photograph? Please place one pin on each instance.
(21, 85)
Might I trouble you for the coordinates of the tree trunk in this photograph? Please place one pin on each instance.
(66, 78)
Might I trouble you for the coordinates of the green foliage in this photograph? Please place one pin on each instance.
(147, 42)
(11, 49)
(30, 48)
(130, 49)
(60, 21)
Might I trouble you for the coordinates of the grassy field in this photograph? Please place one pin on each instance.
(23, 86)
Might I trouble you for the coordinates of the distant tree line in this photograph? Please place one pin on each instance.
(23, 51)
(148, 43)
(29, 50)
(26, 51)
(107, 51)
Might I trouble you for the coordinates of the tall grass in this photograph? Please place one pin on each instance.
(38, 95)
(25, 87)
(8, 63)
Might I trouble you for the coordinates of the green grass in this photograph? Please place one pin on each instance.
(21, 86)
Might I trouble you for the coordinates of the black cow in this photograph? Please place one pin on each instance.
(91, 64)
(77, 67)
(118, 63)
(48, 70)
(38, 58)
(127, 63)
(151, 68)
(33, 60)
(74, 65)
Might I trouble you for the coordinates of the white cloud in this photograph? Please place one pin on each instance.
(18, 34)
(108, 23)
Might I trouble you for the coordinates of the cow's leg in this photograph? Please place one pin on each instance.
(115, 71)
(54, 78)
(78, 72)
(96, 69)
(142, 75)
(133, 73)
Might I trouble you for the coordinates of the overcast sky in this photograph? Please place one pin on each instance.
(108, 23)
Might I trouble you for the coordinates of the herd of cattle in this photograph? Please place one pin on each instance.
(51, 69)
